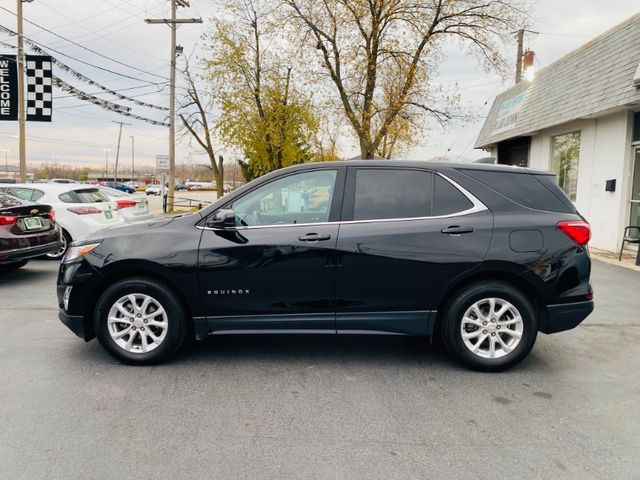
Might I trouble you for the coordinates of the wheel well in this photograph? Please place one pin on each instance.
(515, 280)
(116, 276)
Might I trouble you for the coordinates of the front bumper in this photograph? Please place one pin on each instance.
(566, 316)
(74, 322)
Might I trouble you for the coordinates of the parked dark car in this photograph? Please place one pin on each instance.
(27, 230)
(483, 256)
(121, 187)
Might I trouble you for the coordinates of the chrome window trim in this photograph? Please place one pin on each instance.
(478, 206)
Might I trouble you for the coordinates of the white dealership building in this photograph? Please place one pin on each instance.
(579, 117)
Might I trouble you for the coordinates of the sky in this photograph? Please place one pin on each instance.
(80, 132)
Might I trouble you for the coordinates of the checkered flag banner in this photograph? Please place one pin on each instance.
(39, 88)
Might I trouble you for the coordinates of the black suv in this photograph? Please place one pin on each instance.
(483, 256)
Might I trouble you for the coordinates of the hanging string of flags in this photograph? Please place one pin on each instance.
(110, 106)
(85, 79)
(40, 79)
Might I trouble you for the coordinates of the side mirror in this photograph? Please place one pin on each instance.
(222, 219)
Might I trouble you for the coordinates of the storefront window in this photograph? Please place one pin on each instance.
(565, 153)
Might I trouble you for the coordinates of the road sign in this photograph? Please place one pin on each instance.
(162, 163)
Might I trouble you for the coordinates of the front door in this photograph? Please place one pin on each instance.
(276, 269)
(408, 232)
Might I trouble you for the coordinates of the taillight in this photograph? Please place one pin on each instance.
(125, 203)
(8, 219)
(52, 215)
(84, 210)
(579, 231)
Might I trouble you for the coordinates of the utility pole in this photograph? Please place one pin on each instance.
(21, 106)
(173, 22)
(115, 174)
(133, 164)
(520, 35)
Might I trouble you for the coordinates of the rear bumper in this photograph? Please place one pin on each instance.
(25, 253)
(566, 316)
(75, 323)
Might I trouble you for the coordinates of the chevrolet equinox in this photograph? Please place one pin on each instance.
(482, 256)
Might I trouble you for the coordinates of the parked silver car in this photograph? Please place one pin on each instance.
(132, 208)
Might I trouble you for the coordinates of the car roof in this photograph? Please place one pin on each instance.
(422, 164)
(53, 187)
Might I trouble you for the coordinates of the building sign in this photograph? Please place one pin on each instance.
(8, 87)
(508, 113)
(162, 163)
(39, 88)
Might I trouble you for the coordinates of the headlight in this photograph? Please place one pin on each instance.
(78, 251)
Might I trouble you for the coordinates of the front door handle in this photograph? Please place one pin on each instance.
(314, 237)
(457, 230)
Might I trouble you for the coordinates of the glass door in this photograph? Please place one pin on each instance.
(635, 191)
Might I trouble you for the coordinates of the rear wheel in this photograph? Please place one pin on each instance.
(490, 326)
(140, 321)
(65, 240)
(13, 266)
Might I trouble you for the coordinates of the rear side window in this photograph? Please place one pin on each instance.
(447, 199)
(90, 195)
(386, 193)
(533, 191)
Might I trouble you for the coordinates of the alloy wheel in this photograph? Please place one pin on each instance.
(491, 328)
(63, 248)
(137, 323)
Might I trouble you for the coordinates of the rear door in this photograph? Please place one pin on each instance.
(404, 235)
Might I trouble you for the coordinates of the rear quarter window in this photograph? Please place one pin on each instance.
(539, 192)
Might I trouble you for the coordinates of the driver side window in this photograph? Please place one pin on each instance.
(295, 199)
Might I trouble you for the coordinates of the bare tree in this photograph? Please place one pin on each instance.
(381, 54)
(195, 118)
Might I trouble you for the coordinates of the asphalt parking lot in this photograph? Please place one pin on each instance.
(317, 407)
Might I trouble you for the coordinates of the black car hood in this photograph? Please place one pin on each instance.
(139, 228)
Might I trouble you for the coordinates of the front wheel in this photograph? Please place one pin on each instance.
(140, 321)
(490, 326)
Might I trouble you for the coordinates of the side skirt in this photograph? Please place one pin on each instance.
(419, 322)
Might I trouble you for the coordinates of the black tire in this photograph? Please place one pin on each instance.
(66, 241)
(451, 327)
(164, 296)
(13, 266)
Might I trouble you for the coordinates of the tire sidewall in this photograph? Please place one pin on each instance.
(163, 295)
(457, 308)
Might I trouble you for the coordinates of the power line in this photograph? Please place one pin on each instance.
(86, 48)
(30, 42)
(79, 23)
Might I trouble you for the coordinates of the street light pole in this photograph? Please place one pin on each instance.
(133, 163)
(106, 161)
(6, 160)
(115, 174)
(173, 23)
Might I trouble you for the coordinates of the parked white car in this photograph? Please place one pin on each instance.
(153, 190)
(79, 209)
(132, 208)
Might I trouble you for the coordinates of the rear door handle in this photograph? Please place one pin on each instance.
(456, 230)
(314, 237)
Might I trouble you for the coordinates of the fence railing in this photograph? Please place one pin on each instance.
(181, 202)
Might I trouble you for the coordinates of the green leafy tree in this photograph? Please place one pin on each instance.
(262, 112)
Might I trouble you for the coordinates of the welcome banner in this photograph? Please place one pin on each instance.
(8, 87)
